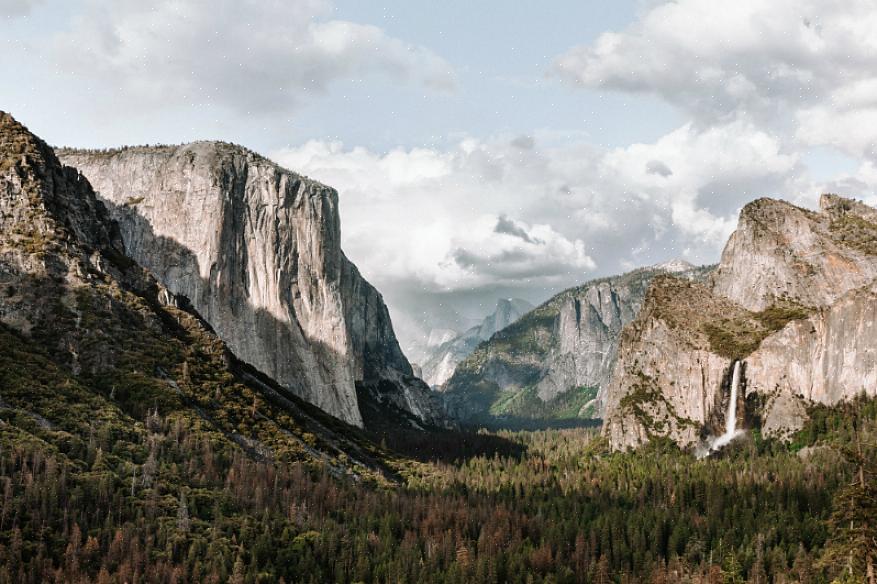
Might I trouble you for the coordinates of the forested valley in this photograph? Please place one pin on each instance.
(168, 502)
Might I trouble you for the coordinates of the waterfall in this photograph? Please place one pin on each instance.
(731, 415)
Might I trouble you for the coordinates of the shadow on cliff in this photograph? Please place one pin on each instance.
(385, 422)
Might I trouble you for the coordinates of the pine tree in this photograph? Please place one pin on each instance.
(852, 547)
(183, 514)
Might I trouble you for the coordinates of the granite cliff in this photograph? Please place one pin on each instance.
(793, 300)
(555, 360)
(92, 344)
(256, 250)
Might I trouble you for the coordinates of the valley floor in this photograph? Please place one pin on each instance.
(546, 506)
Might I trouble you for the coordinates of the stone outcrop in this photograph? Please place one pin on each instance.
(793, 298)
(668, 379)
(99, 344)
(256, 249)
(566, 346)
(829, 357)
(783, 251)
(449, 349)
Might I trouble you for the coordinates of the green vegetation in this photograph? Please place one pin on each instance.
(526, 403)
(855, 232)
(735, 338)
(554, 506)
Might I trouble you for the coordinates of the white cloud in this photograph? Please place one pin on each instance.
(489, 215)
(254, 55)
(14, 8)
(853, 131)
(786, 63)
(440, 218)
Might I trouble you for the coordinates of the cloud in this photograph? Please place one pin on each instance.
(14, 8)
(256, 55)
(513, 228)
(658, 167)
(778, 63)
(444, 216)
(851, 130)
(483, 219)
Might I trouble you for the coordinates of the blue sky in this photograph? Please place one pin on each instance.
(481, 150)
(501, 56)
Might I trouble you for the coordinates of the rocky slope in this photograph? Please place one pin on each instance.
(555, 360)
(793, 299)
(830, 356)
(450, 349)
(782, 251)
(256, 250)
(91, 343)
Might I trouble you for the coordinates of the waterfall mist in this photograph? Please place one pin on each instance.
(716, 443)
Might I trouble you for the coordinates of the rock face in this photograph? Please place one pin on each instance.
(587, 330)
(668, 379)
(557, 358)
(793, 298)
(829, 357)
(449, 349)
(780, 250)
(98, 343)
(256, 250)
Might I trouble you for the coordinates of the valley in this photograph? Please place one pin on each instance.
(197, 385)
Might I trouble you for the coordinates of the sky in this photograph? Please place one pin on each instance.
(480, 149)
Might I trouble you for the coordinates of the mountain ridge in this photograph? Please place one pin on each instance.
(447, 354)
(792, 300)
(256, 250)
(556, 358)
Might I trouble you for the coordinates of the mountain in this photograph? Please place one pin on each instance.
(136, 447)
(792, 301)
(424, 323)
(554, 361)
(256, 250)
(448, 349)
(99, 361)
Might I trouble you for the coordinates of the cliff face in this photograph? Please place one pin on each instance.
(94, 344)
(451, 349)
(780, 250)
(829, 357)
(256, 250)
(587, 331)
(793, 299)
(668, 378)
(557, 359)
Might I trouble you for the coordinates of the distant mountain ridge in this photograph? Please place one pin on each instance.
(448, 349)
(556, 359)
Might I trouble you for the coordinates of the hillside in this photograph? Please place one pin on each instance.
(554, 361)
